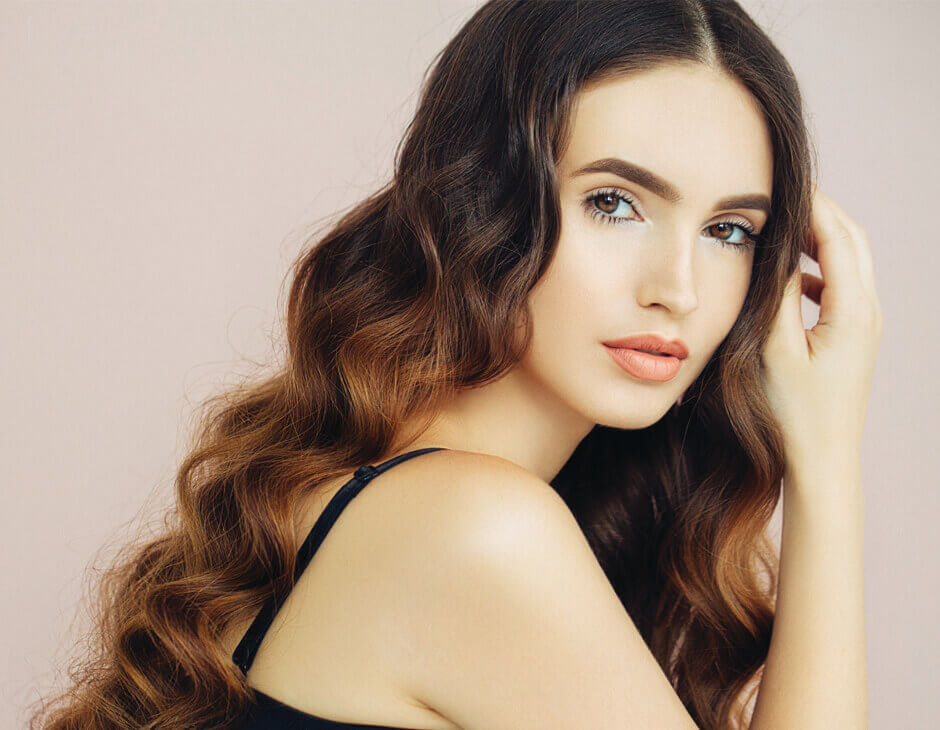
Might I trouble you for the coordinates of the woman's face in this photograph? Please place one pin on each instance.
(654, 254)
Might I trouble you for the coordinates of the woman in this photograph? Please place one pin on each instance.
(564, 531)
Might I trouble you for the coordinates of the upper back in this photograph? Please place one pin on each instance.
(457, 590)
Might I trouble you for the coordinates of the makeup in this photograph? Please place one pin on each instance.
(648, 355)
(645, 365)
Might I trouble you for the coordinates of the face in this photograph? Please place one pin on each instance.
(667, 253)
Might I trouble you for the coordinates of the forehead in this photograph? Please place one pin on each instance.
(696, 127)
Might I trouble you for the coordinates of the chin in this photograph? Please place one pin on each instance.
(633, 414)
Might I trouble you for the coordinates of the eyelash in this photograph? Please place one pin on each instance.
(753, 238)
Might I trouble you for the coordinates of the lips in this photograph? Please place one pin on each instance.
(648, 355)
(653, 343)
(644, 366)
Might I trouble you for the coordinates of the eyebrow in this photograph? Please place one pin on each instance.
(665, 189)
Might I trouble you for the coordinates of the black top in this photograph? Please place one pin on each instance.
(269, 712)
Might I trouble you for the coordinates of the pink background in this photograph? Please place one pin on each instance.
(161, 164)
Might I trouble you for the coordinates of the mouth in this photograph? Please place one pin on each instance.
(652, 343)
(645, 365)
(652, 352)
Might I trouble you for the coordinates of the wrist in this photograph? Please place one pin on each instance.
(834, 478)
(844, 459)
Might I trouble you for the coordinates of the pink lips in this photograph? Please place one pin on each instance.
(627, 353)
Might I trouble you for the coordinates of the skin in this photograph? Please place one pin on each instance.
(666, 271)
(514, 545)
(701, 131)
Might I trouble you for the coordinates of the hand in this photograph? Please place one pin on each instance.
(818, 380)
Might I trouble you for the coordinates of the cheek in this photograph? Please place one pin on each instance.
(568, 302)
(724, 290)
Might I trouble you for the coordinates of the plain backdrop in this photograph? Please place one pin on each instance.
(160, 166)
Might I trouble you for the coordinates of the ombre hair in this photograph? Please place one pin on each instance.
(421, 290)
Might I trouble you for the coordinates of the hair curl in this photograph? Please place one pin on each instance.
(417, 292)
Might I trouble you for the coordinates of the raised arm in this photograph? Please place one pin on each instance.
(818, 382)
(815, 673)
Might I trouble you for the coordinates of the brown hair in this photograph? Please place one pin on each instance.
(419, 291)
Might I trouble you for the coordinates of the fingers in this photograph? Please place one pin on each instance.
(841, 248)
(787, 337)
(812, 286)
(832, 245)
(862, 245)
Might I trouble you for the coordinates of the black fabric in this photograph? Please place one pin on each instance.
(270, 713)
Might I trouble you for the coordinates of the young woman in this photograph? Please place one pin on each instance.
(552, 527)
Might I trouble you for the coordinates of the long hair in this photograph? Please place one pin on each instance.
(417, 292)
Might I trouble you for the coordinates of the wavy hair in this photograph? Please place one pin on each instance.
(418, 291)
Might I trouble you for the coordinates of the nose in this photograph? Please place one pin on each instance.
(667, 277)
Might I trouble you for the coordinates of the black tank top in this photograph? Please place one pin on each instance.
(270, 713)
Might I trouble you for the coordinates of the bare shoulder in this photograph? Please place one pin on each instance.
(352, 617)
(491, 506)
(450, 495)
(479, 510)
(462, 482)
(507, 619)
(451, 517)
(488, 522)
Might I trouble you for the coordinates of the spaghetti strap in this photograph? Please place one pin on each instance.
(244, 653)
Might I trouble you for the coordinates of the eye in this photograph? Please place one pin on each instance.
(748, 237)
(602, 204)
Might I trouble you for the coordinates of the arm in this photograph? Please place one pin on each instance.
(817, 382)
(815, 674)
(519, 628)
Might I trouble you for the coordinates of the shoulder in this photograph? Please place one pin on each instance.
(446, 503)
(470, 527)
(488, 514)
(432, 526)
(494, 532)
(435, 532)
(471, 502)
(509, 620)
(486, 604)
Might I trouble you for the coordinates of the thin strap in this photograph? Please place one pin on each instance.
(244, 653)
